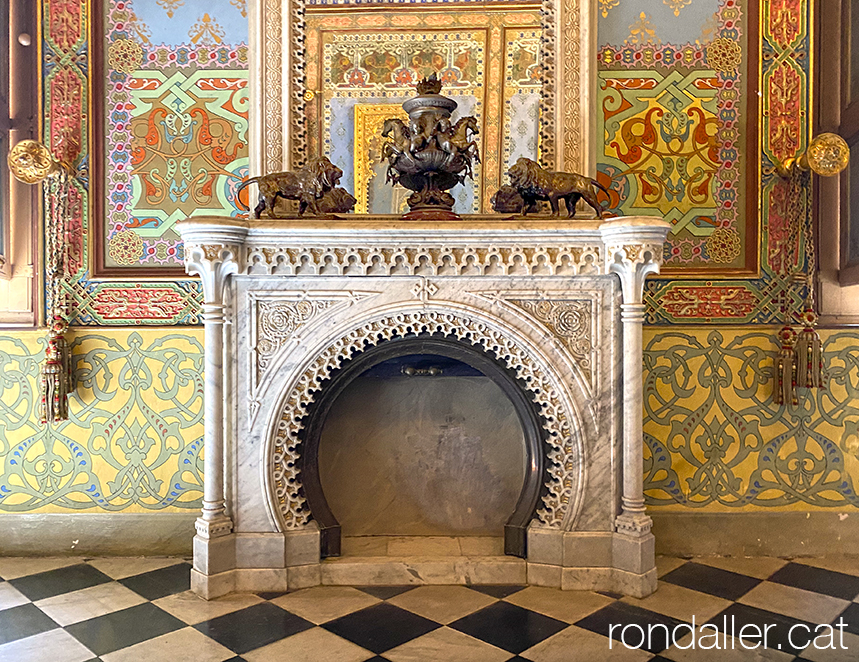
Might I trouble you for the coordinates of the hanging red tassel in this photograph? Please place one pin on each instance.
(809, 355)
(785, 369)
(55, 377)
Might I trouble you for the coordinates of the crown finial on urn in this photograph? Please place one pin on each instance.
(431, 85)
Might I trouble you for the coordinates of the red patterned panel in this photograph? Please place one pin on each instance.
(74, 238)
(66, 112)
(785, 19)
(710, 302)
(782, 249)
(65, 23)
(785, 94)
(132, 303)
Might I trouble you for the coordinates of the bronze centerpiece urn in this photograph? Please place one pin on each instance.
(430, 155)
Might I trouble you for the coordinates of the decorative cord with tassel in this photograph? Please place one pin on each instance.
(31, 162)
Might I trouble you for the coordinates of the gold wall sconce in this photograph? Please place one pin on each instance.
(31, 162)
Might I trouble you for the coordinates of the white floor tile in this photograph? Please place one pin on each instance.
(121, 567)
(52, 646)
(446, 645)
(12, 567)
(87, 603)
(321, 604)
(315, 645)
(185, 644)
(192, 609)
(10, 597)
(794, 602)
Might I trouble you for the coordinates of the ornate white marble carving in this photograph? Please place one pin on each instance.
(425, 260)
(214, 260)
(564, 455)
(303, 297)
(571, 321)
(633, 253)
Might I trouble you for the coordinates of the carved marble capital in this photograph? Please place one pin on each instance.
(633, 251)
(213, 252)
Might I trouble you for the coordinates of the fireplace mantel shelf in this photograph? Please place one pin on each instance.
(473, 229)
(556, 302)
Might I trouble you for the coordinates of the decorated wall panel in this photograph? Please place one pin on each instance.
(735, 256)
(361, 67)
(677, 111)
(133, 440)
(714, 439)
(159, 97)
(176, 122)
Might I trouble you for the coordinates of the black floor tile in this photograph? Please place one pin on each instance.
(509, 627)
(622, 614)
(24, 621)
(253, 627)
(851, 618)
(381, 627)
(160, 583)
(499, 592)
(736, 616)
(62, 580)
(126, 627)
(609, 594)
(271, 595)
(836, 584)
(236, 659)
(385, 592)
(715, 581)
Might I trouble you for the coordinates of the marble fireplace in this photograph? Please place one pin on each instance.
(544, 316)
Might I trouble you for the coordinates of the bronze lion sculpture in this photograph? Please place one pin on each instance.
(337, 201)
(507, 200)
(308, 185)
(535, 183)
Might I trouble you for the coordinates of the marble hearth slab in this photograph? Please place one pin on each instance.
(390, 570)
(357, 546)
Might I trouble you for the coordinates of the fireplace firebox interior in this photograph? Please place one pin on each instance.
(423, 437)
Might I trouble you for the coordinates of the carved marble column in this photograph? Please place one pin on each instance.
(213, 254)
(633, 252)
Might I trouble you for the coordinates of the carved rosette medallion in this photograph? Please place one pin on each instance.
(277, 321)
(564, 457)
(571, 322)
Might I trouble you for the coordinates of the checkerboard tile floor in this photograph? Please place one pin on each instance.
(140, 610)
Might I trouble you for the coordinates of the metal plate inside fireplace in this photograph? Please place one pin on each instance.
(423, 436)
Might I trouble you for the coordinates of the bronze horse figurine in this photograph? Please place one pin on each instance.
(456, 140)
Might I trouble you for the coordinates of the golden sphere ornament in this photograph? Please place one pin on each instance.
(31, 162)
(827, 155)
